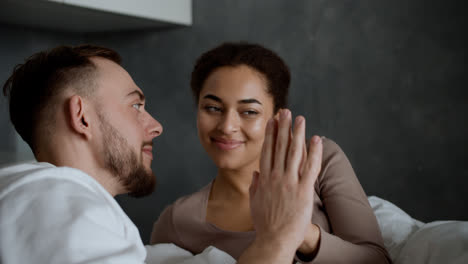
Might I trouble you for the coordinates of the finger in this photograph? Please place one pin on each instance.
(277, 120)
(266, 159)
(304, 156)
(254, 184)
(277, 115)
(296, 149)
(291, 133)
(282, 140)
(314, 160)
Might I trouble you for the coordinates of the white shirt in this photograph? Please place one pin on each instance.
(62, 215)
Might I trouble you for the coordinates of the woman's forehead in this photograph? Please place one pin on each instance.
(240, 82)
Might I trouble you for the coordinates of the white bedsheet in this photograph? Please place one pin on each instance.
(172, 254)
(407, 240)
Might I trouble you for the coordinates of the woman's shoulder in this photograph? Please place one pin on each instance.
(189, 206)
(330, 147)
(335, 164)
(194, 200)
(186, 211)
(332, 152)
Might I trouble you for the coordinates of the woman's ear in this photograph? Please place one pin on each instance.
(79, 117)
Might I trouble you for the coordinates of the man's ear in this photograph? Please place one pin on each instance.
(79, 116)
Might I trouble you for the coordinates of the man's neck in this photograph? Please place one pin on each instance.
(81, 158)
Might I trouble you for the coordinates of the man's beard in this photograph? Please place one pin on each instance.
(123, 162)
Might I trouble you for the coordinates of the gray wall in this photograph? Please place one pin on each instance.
(385, 79)
(16, 44)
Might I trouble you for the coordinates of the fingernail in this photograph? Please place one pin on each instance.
(316, 139)
(283, 114)
(299, 120)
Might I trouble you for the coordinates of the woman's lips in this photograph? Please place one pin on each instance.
(226, 144)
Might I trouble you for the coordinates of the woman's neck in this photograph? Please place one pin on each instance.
(232, 185)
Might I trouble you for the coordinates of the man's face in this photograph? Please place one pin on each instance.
(126, 130)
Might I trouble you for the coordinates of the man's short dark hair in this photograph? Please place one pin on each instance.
(33, 86)
(255, 56)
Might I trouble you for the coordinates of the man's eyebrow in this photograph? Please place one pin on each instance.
(243, 101)
(140, 94)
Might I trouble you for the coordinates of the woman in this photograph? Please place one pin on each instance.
(237, 88)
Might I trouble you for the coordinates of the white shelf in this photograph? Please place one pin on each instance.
(87, 16)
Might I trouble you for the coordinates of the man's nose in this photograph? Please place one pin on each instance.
(154, 127)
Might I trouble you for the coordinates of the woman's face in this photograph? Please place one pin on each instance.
(233, 110)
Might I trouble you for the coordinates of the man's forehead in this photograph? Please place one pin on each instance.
(115, 79)
(104, 65)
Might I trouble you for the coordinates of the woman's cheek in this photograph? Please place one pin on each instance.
(202, 125)
(258, 128)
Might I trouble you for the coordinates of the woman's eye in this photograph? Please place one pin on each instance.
(210, 108)
(250, 113)
(137, 106)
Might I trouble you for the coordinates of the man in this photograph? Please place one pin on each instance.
(85, 121)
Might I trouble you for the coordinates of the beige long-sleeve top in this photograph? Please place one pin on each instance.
(349, 229)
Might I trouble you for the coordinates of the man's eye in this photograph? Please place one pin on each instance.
(137, 106)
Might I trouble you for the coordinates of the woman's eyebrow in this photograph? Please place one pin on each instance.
(213, 97)
(249, 101)
(243, 101)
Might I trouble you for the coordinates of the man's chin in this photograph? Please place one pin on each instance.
(142, 184)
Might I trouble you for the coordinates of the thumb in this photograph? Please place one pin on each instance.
(314, 160)
(254, 183)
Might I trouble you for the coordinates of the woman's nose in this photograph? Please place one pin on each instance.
(229, 122)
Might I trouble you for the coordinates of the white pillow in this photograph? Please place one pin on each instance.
(410, 241)
(437, 242)
(396, 225)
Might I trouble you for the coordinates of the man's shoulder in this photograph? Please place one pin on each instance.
(56, 195)
(13, 172)
(46, 189)
(64, 214)
(31, 175)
